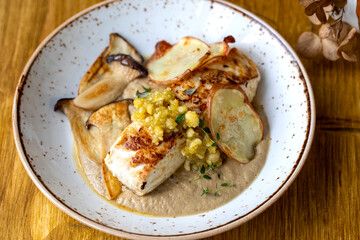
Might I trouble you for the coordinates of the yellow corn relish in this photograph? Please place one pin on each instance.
(162, 113)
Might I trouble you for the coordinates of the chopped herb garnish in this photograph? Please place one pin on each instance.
(214, 144)
(205, 191)
(202, 169)
(206, 177)
(201, 123)
(189, 91)
(180, 118)
(203, 173)
(217, 136)
(143, 94)
(146, 89)
(217, 190)
(207, 130)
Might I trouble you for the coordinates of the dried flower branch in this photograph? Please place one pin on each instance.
(336, 39)
(350, 48)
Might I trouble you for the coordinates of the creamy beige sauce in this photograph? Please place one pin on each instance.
(178, 195)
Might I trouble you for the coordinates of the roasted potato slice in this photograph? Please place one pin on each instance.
(179, 60)
(218, 49)
(170, 64)
(238, 67)
(233, 122)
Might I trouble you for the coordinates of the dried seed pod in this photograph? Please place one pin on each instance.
(350, 48)
(329, 8)
(306, 3)
(329, 49)
(309, 45)
(315, 20)
(334, 31)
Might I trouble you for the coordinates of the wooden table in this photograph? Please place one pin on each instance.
(322, 203)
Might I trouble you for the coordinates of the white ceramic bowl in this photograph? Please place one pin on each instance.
(44, 139)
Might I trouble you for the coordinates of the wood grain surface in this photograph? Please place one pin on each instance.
(322, 203)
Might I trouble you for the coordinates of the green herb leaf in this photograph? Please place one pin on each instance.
(143, 94)
(231, 185)
(206, 177)
(189, 91)
(201, 123)
(146, 89)
(214, 144)
(180, 118)
(213, 166)
(215, 193)
(207, 130)
(205, 191)
(224, 184)
(217, 136)
(202, 169)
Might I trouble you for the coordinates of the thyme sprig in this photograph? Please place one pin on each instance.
(224, 186)
(204, 173)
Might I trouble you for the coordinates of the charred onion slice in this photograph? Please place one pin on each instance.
(179, 60)
(233, 122)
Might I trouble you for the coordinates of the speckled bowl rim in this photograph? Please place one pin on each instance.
(201, 234)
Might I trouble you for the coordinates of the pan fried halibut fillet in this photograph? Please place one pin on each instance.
(236, 68)
(140, 164)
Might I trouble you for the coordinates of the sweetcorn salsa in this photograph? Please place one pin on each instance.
(162, 113)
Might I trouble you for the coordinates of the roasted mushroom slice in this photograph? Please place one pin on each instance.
(104, 69)
(233, 122)
(111, 120)
(87, 140)
(122, 70)
(118, 45)
(93, 75)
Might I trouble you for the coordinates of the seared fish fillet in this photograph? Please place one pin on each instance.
(141, 165)
(236, 68)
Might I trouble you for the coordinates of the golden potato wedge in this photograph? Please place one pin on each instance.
(112, 184)
(233, 122)
(178, 61)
